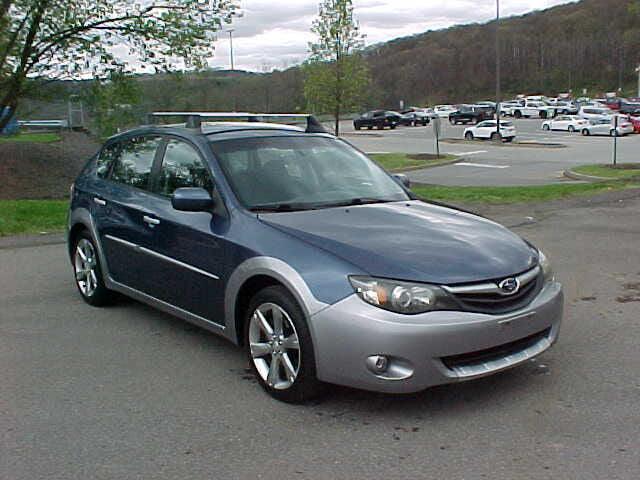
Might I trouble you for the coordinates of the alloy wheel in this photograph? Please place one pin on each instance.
(85, 264)
(274, 346)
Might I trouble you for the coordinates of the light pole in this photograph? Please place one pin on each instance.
(498, 67)
(231, 46)
(638, 70)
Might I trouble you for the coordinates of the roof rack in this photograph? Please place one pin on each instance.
(195, 119)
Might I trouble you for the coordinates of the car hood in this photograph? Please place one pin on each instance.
(413, 241)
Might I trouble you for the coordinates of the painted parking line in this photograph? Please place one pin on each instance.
(470, 164)
(461, 154)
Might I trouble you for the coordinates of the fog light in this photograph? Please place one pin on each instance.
(378, 364)
(388, 367)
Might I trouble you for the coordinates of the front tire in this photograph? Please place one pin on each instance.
(517, 114)
(279, 347)
(571, 129)
(88, 272)
(585, 132)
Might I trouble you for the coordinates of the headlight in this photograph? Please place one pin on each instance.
(545, 265)
(401, 297)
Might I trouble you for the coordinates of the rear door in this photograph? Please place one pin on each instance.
(189, 253)
(485, 129)
(124, 214)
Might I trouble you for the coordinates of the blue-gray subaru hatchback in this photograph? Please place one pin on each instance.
(293, 244)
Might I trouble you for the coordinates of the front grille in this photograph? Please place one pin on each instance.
(469, 360)
(491, 300)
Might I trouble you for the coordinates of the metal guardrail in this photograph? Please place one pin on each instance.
(60, 124)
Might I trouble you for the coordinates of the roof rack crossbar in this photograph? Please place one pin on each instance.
(195, 119)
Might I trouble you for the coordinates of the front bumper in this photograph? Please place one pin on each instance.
(431, 348)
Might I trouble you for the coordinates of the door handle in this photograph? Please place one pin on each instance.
(99, 201)
(150, 220)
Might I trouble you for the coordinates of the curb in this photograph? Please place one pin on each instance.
(24, 241)
(524, 144)
(585, 178)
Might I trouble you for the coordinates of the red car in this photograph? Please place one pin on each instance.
(635, 121)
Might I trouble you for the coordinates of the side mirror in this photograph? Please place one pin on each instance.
(403, 179)
(192, 200)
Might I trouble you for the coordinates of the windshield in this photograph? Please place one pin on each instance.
(299, 173)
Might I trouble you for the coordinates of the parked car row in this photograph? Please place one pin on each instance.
(382, 119)
(600, 125)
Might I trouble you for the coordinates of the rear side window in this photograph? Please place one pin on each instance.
(134, 163)
(182, 167)
(107, 156)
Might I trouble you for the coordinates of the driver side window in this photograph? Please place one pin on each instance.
(182, 167)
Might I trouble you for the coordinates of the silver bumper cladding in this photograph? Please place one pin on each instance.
(437, 347)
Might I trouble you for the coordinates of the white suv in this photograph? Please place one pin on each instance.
(489, 129)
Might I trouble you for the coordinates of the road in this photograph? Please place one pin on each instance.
(489, 165)
(129, 392)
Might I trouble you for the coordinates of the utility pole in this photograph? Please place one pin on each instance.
(638, 70)
(498, 67)
(231, 46)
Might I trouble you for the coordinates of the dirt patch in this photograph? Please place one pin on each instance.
(42, 171)
(628, 298)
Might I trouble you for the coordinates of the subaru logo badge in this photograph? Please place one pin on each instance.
(509, 286)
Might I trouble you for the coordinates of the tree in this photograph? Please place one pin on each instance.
(336, 76)
(113, 103)
(67, 38)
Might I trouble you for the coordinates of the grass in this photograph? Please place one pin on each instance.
(32, 216)
(621, 171)
(42, 137)
(36, 216)
(404, 161)
(501, 195)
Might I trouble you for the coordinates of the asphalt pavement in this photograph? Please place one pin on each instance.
(128, 392)
(486, 164)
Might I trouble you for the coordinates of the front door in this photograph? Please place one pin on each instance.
(190, 247)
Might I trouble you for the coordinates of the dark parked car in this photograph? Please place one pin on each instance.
(413, 117)
(471, 114)
(629, 108)
(294, 245)
(377, 119)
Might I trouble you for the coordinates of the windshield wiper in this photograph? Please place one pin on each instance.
(281, 207)
(355, 201)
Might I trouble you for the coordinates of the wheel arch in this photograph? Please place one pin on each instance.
(80, 219)
(251, 276)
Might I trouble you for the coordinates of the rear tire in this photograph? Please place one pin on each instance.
(283, 359)
(357, 127)
(612, 132)
(543, 114)
(546, 127)
(517, 114)
(468, 136)
(88, 272)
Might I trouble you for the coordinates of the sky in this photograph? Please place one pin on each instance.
(274, 34)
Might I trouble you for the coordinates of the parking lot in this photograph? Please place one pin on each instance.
(486, 164)
(129, 392)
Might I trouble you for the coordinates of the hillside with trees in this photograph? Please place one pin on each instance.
(592, 44)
